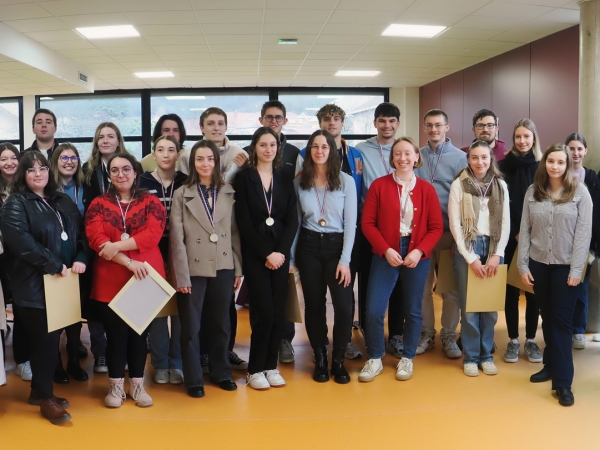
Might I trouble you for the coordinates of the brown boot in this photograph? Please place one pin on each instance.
(53, 412)
(35, 400)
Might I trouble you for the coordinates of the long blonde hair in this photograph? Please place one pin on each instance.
(535, 148)
(541, 179)
(96, 157)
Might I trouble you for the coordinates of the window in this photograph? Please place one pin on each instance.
(10, 112)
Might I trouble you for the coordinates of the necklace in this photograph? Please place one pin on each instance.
(63, 234)
(270, 221)
(432, 174)
(125, 235)
(386, 168)
(214, 237)
(322, 222)
(482, 193)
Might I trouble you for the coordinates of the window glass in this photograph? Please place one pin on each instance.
(79, 116)
(9, 120)
(243, 110)
(302, 109)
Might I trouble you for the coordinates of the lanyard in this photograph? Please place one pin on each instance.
(62, 227)
(164, 192)
(482, 194)
(432, 174)
(270, 202)
(386, 167)
(123, 215)
(321, 206)
(407, 188)
(211, 215)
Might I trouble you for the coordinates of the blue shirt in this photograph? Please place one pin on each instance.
(375, 164)
(71, 190)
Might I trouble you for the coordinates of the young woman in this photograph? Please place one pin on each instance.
(206, 266)
(555, 234)
(479, 215)
(167, 125)
(9, 161)
(42, 230)
(578, 148)
(124, 227)
(163, 181)
(327, 208)
(108, 141)
(267, 217)
(519, 167)
(65, 167)
(402, 220)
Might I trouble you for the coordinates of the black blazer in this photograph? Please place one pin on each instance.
(95, 188)
(258, 239)
(31, 233)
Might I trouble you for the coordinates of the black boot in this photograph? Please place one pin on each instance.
(60, 376)
(321, 374)
(338, 371)
(76, 371)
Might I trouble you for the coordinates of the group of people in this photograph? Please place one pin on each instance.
(214, 216)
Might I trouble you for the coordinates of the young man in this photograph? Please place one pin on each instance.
(485, 127)
(167, 125)
(331, 118)
(376, 153)
(441, 163)
(44, 127)
(213, 124)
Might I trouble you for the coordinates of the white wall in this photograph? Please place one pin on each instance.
(407, 99)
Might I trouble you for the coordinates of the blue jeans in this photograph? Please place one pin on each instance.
(165, 351)
(382, 280)
(477, 328)
(581, 307)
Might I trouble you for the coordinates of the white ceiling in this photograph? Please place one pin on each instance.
(233, 43)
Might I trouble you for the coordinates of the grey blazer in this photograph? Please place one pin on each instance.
(191, 253)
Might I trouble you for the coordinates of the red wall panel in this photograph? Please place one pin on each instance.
(451, 101)
(478, 95)
(429, 98)
(555, 85)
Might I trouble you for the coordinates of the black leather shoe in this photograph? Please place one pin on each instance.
(81, 351)
(338, 371)
(565, 396)
(541, 376)
(321, 374)
(60, 376)
(227, 384)
(76, 371)
(196, 391)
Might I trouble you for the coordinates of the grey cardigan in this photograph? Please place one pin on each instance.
(556, 233)
(191, 253)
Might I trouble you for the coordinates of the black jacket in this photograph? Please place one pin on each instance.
(34, 146)
(290, 155)
(31, 233)
(258, 239)
(592, 182)
(98, 184)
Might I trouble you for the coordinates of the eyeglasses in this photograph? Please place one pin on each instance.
(271, 118)
(436, 126)
(114, 172)
(66, 159)
(489, 126)
(41, 170)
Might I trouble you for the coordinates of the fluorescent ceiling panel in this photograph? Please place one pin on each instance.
(154, 74)
(419, 31)
(357, 73)
(110, 32)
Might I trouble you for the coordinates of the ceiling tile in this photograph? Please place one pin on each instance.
(234, 39)
(180, 30)
(569, 16)
(22, 11)
(166, 49)
(291, 55)
(337, 39)
(275, 48)
(326, 56)
(244, 16)
(69, 45)
(49, 36)
(216, 48)
(287, 29)
(226, 4)
(77, 53)
(447, 6)
(423, 18)
(136, 58)
(174, 40)
(30, 25)
(491, 23)
(314, 16)
(185, 57)
(304, 4)
(469, 33)
(368, 17)
(228, 29)
(363, 30)
(509, 10)
(379, 5)
(110, 51)
(161, 18)
(349, 48)
(94, 20)
(76, 7)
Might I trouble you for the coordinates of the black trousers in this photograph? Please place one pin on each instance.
(395, 307)
(21, 352)
(123, 344)
(210, 298)
(205, 335)
(557, 303)
(267, 290)
(511, 307)
(317, 258)
(42, 348)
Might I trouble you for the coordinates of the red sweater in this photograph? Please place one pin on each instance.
(381, 216)
(145, 220)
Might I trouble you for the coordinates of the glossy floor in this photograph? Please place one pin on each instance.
(439, 408)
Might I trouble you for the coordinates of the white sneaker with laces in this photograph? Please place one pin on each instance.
(425, 343)
(161, 376)
(578, 341)
(596, 337)
(274, 378)
(175, 376)
(471, 370)
(352, 352)
(404, 369)
(489, 368)
(24, 371)
(258, 381)
(373, 367)
(451, 348)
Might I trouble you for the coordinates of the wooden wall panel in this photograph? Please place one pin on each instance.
(451, 102)
(478, 95)
(555, 85)
(429, 98)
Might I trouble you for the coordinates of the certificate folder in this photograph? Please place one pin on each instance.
(63, 301)
(140, 301)
(486, 294)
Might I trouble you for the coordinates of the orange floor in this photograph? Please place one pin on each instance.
(439, 408)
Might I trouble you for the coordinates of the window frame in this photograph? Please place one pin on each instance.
(21, 140)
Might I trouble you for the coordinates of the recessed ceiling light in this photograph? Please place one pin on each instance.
(287, 41)
(154, 74)
(116, 31)
(419, 31)
(185, 97)
(46, 98)
(357, 73)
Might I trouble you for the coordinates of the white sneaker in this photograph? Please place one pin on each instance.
(161, 376)
(425, 343)
(596, 337)
(274, 378)
(451, 348)
(489, 368)
(404, 369)
(24, 371)
(578, 341)
(258, 381)
(471, 370)
(175, 376)
(373, 367)
(352, 352)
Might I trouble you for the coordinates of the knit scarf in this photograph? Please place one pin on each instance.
(471, 205)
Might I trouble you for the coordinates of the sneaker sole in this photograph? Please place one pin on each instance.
(286, 360)
(453, 356)
(535, 360)
(266, 388)
(578, 345)
(403, 377)
(101, 369)
(363, 380)
(471, 375)
(509, 360)
(175, 381)
(421, 351)
(161, 381)
(490, 373)
(277, 385)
